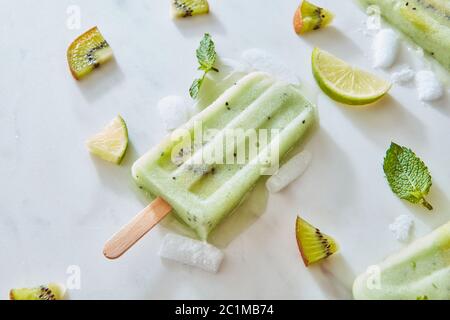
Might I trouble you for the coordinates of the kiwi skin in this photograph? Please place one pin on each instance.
(312, 251)
(298, 21)
(310, 17)
(74, 75)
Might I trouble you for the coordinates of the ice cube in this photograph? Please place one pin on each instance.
(261, 60)
(401, 227)
(428, 85)
(403, 75)
(174, 111)
(289, 172)
(191, 252)
(385, 48)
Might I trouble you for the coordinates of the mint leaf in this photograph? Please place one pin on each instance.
(206, 56)
(407, 175)
(206, 53)
(195, 88)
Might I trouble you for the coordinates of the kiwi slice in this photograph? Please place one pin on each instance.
(88, 52)
(52, 291)
(189, 8)
(313, 244)
(311, 17)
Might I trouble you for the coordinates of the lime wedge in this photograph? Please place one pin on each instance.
(344, 83)
(111, 143)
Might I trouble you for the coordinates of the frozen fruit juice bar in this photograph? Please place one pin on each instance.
(203, 194)
(419, 271)
(427, 22)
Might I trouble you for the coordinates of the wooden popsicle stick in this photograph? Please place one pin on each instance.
(136, 228)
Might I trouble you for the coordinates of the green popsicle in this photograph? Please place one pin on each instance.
(420, 271)
(203, 194)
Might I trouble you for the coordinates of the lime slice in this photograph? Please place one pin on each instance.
(344, 83)
(111, 143)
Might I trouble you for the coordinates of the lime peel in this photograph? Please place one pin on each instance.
(344, 83)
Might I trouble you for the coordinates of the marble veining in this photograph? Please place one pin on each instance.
(59, 205)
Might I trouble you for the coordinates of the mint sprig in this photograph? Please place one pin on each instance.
(407, 175)
(195, 88)
(206, 56)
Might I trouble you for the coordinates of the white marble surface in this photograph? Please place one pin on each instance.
(59, 205)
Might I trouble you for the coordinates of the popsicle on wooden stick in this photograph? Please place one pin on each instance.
(136, 228)
(203, 192)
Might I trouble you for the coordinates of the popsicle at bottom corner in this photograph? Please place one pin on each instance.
(420, 271)
(203, 193)
(426, 22)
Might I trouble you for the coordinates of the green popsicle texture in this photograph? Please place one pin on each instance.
(203, 194)
(426, 22)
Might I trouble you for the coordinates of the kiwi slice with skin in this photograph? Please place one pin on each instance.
(311, 17)
(52, 291)
(88, 52)
(313, 244)
(189, 8)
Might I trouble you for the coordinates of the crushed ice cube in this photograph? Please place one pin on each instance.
(402, 75)
(232, 65)
(260, 60)
(385, 48)
(289, 172)
(174, 111)
(401, 227)
(428, 85)
(191, 252)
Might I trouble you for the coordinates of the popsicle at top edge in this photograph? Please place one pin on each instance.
(426, 22)
(419, 271)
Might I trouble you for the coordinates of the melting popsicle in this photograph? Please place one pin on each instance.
(419, 271)
(244, 134)
(426, 22)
